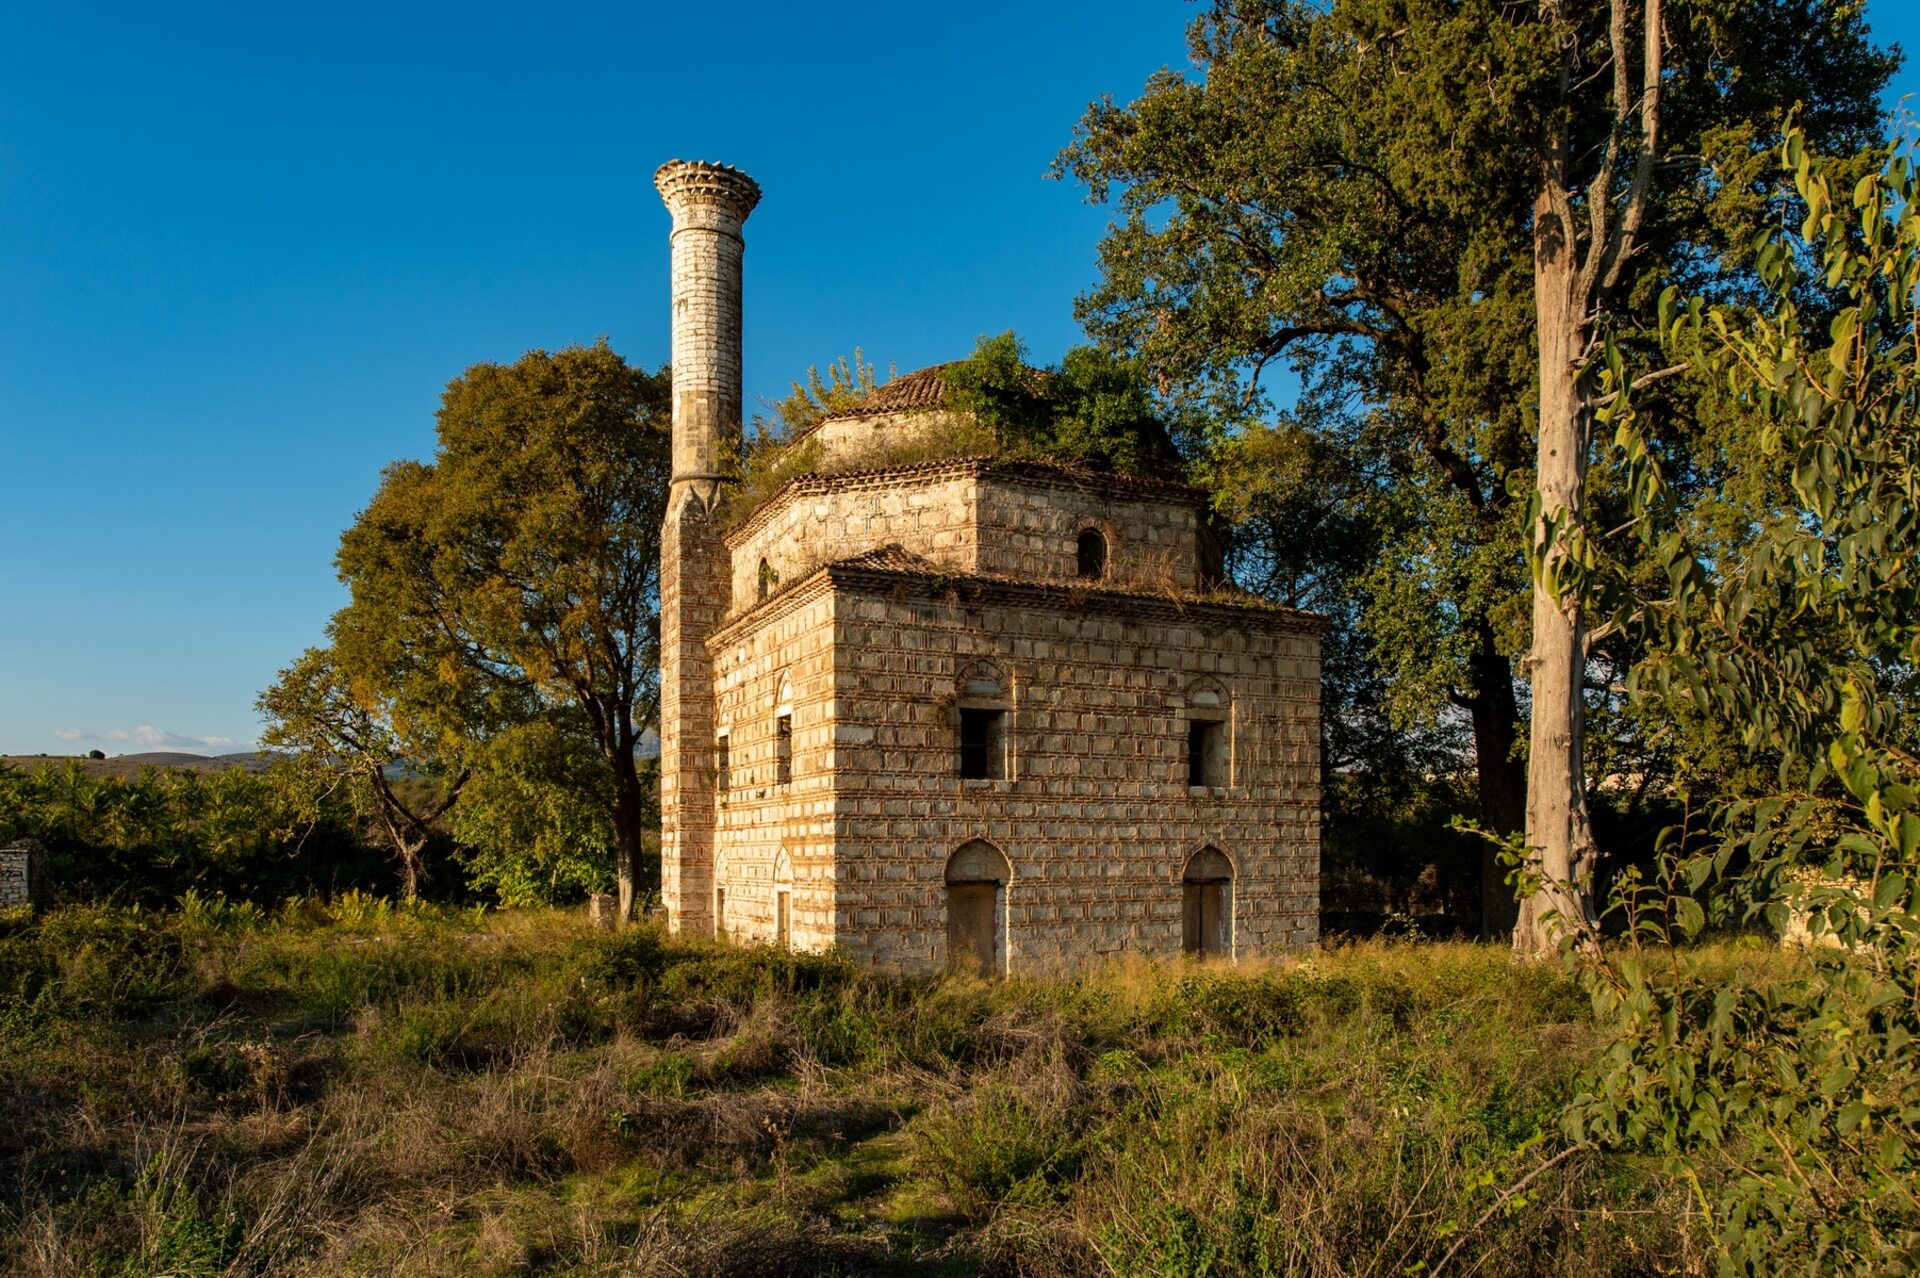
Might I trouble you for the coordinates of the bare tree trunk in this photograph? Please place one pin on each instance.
(1568, 290)
(1558, 838)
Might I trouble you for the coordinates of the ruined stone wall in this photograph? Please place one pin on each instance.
(1096, 815)
(757, 818)
(23, 867)
(930, 513)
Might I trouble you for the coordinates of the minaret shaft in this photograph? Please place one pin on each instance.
(710, 203)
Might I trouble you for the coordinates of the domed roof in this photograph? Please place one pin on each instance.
(922, 388)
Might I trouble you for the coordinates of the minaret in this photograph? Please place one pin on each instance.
(710, 204)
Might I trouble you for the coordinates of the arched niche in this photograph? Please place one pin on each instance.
(1206, 904)
(1091, 554)
(783, 899)
(978, 875)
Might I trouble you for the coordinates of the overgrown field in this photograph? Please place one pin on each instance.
(356, 1089)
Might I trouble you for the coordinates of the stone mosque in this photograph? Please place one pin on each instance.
(967, 711)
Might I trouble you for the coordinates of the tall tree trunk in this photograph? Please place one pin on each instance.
(1502, 778)
(629, 831)
(1559, 840)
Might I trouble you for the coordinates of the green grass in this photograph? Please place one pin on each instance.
(363, 1089)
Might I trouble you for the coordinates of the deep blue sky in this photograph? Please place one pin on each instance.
(243, 247)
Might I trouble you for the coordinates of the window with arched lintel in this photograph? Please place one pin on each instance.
(1206, 903)
(1091, 554)
(1209, 715)
(765, 579)
(984, 700)
(783, 733)
(978, 876)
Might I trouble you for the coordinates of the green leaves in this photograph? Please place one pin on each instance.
(1788, 1101)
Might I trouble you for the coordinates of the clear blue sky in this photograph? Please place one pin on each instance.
(242, 248)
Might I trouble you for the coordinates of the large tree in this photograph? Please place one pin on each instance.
(1374, 191)
(516, 574)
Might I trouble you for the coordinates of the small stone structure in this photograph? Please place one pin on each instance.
(23, 874)
(964, 711)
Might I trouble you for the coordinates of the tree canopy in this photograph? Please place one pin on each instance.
(1347, 192)
(505, 595)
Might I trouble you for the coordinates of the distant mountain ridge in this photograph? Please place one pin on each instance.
(129, 765)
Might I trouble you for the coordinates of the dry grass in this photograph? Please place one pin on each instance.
(393, 1092)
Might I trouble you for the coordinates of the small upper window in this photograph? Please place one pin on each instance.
(1093, 554)
(1209, 757)
(983, 744)
(722, 764)
(783, 749)
(768, 579)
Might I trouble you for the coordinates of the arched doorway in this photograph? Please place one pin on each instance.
(783, 900)
(977, 878)
(1206, 904)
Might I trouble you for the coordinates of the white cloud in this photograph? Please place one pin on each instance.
(149, 737)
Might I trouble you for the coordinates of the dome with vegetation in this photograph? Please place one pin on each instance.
(1089, 413)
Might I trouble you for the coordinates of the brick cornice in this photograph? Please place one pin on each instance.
(1033, 474)
(865, 579)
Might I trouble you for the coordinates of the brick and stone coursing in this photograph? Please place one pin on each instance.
(971, 517)
(23, 871)
(1095, 815)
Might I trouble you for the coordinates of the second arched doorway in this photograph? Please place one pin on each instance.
(977, 877)
(1206, 904)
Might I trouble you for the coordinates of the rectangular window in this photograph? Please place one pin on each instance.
(783, 750)
(720, 907)
(983, 745)
(1206, 752)
(722, 765)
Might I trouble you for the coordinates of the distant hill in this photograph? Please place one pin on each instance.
(129, 765)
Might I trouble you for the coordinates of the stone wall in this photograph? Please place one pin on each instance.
(970, 517)
(1096, 817)
(23, 870)
(765, 830)
(1095, 814)
(1030, 522)
(927, 510)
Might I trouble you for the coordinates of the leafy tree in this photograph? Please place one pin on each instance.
(515, 576)
(341, 734)
(848, 381)
(1364, 190)
(1092, 409)
(536, 821)
(1794, 1105)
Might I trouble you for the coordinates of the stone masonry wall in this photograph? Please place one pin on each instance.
(844, 440)
(1030, 527)
(22, 865)
(968, 519)
(758, 819)
(819, 521)
(1096, 816)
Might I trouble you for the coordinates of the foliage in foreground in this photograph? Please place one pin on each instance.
(358, 1088)
(148, 839)
(1796, 1105)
